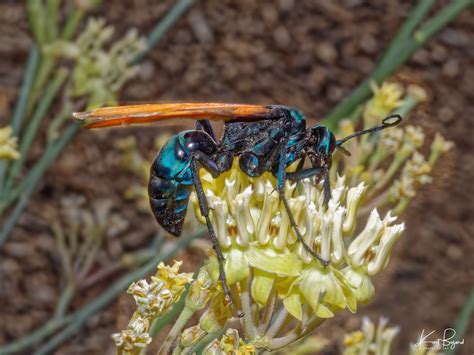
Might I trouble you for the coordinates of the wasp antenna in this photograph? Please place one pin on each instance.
(386, 122)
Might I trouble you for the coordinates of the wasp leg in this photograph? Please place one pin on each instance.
(327, 186)
(205, 213)
(281, 178)
(303, 174)
(205, 125)
(307, 173)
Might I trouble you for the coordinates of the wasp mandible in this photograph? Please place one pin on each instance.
(264, 138)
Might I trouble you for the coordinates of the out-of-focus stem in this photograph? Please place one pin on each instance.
(29, 183)
(411, 23)
(163, 26)
(65, 300)
(462, 321)
(402, 49)
(52, 14)
(77, 319)
(183, 318)
(32, 128)
(20, 108)
(36, 15)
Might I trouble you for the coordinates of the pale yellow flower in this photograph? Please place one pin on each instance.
(8, 144)
(386, 98)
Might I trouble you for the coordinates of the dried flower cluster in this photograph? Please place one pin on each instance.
(153, 299)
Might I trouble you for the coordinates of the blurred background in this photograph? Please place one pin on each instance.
(307, 54)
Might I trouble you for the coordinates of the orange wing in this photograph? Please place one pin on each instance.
(142, 114)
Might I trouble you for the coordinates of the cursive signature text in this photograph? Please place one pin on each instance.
(445, 342)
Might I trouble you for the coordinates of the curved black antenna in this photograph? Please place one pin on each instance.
(385, 124)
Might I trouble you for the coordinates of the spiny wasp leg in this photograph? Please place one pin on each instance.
(282, 176)
(203, 206)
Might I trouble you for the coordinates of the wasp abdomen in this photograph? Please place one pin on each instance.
(169, 201)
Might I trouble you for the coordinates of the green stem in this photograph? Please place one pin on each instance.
(36, 16)
(183, 318)
(29, 183)
(52, 16)
(398, 55)
(408, 27)
(163, 26)
(462, 321)
(42, 76)
(65, 300)
(20, 107)
(76, 320)
(73, 20)
(32, 128)
(25, 91)
(198, 349)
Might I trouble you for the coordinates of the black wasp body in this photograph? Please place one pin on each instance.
(264, 138)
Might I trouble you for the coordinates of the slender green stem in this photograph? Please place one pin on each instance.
(198, 349)
(33, 126)
(72, 21)
(183, 318)
(29, 183)
(22, 102)
(163, 26)
(36, 16)
(52, 15)
(398, 55)
(76, 320)
(65, 300)
(462, 321)
(20, 107)
(411, 23)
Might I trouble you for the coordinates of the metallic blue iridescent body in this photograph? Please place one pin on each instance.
(264, 138)
(257, 144)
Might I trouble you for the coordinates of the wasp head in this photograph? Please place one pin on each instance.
(320, 146)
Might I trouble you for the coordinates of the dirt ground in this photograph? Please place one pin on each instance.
(307, 54)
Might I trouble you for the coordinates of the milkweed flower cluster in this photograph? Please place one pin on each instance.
(279, 285)
(282, 292)
(8, 144)
(153, 299)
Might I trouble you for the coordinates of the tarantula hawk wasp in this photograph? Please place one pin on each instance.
(264, 138)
